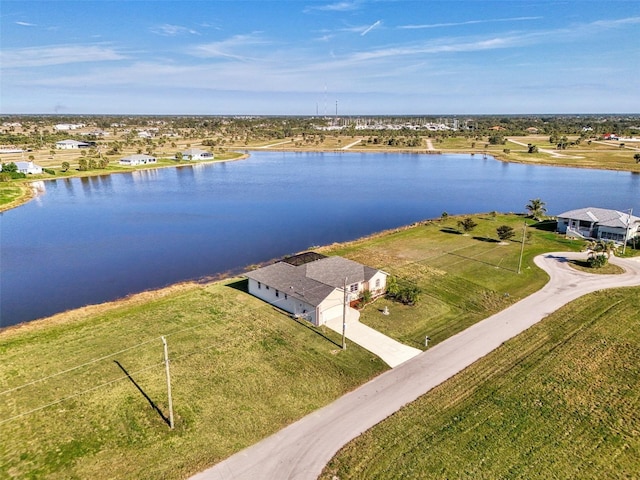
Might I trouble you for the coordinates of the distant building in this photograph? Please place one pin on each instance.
(71, 145)
(61, 127)
(28, 168)
(138, 159)
(197, 154)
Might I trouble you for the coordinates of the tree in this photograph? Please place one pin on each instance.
(536, 209)
(496, 139)
(403, 291)
(601, 247)
(65, 166)
(636, 157)
(82, 164)
(9, 167)
(531, 148)
(467, 224)
(505, 232)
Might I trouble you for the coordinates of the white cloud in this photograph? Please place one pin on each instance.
(335, 7)
(168, 30)
(26, 24)
(57, 55)
(230, 48)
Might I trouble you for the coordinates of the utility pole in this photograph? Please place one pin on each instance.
(524, 231)
(166, 364)
(344, 315)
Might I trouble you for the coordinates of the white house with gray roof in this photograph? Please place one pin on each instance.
(71, 145)
(599, 223)
(311, 285)
(137, 159)
(196, 154)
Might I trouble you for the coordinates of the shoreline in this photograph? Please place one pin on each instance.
(33, 191)
(133, 298)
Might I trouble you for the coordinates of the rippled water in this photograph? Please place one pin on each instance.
(89, 240)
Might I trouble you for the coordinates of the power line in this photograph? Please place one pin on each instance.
(78, 394)
(245, 314)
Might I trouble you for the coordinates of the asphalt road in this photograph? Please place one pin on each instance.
(301, 450)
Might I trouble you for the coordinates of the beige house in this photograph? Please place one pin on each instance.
(311, 285)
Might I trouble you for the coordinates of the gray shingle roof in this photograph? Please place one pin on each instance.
(292, 281)
(334, 270)
(312, 282)
(601, 216)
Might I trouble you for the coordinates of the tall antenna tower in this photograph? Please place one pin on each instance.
(325, 100)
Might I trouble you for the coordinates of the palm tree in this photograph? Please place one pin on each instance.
(536, 208)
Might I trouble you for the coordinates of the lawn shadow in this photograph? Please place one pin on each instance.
(580, 263)
(242, 285)
(480, 261)
(306, 324)
(450, 230)
(144, 394)
(486, 239)
(546, 225)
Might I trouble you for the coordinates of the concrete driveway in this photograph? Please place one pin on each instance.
(301, 450)
(392, 352)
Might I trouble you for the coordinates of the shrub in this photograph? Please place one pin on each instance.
(505, 232)
(597, 261)
(50, 171)
(467, 224)
(403, 291)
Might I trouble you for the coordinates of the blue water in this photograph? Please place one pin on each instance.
(90, 240)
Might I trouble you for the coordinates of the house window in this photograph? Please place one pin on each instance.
(267, 287)
(259, 285)
(286, 296)
(377, 283)
(277, 293)
(353, 288)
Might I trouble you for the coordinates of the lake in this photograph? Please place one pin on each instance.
(90, 240)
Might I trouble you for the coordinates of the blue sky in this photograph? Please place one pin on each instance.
(299, 57)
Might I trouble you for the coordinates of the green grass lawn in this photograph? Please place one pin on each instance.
(559, 401)
(464, 278)
(240, 371)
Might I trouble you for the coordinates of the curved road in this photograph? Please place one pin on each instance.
(301, 450)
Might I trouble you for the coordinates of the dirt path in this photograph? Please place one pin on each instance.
(553, 153)
(301, 450)
(352, 144)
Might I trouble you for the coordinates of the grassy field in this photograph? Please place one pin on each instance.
(240, 371)
(84, 394)
(465, 278)
(559, 401)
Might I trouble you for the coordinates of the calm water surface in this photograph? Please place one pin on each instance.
(90, 240)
